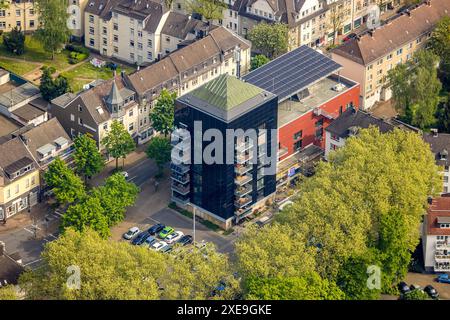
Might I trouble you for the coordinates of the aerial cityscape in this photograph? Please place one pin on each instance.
(231, 150)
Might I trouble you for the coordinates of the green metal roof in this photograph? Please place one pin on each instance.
(226, 92)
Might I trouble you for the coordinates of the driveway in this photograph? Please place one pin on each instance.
(425, 279)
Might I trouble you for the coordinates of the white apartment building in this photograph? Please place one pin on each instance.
(440, 146)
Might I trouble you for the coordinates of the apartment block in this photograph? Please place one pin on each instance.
(368, 58)
(76, 10)
(20, 13)
(440, 146)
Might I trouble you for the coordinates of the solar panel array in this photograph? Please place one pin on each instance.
(292, 72)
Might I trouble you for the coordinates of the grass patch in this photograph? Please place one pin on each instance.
(19, 68)
(228, 232)
(86, 73)
(206, 223)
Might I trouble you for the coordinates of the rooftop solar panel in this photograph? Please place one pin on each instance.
(292, 72)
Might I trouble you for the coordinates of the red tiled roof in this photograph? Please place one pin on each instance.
(440, 207)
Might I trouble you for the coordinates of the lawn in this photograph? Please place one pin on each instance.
(86, 73)
(19, 68)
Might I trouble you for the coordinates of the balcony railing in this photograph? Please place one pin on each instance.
(185, 157)
(181, 134)
(244, 146)
(179, 197)
(180, 188)
(242, 202)
(242, 191)
(442, 245)
(243, 158)
(241, 169)
(442, 267)
(179, 168)
(244, 179)
(181, 178)
(243, 211)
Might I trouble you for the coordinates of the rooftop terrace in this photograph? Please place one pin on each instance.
(319, 93)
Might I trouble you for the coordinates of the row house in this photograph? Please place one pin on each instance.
(368, 58)
(21, 14)
(137, 31)
(440, 146)
(436, 236)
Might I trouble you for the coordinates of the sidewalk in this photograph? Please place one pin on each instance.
(25, 218)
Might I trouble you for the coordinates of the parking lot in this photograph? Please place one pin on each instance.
(426, 279)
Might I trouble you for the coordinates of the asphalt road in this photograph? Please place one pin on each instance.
(141, 172)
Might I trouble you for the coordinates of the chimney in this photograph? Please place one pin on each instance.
(2, 248)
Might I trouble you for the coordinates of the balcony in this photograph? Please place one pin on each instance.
(442, 267)
(180, 145)
(180, 188)
(180, 178)
(179, 168)
(242, 169)
(182, 199)
(242, 202)
(243, 158)
(242, 191)
(180, 134)
(244, 179)
(442, 245)
(282, 152)
(244, 146)
(243, 211)
(181, 157)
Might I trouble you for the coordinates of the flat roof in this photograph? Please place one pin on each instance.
(28, 112)
(292, 72)
(319, 94)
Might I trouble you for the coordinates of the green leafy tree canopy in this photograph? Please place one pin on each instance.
(162, 114)
(270, 39)
(88, 160)
(118, 142)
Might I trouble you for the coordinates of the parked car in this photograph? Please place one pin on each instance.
(403, 288)
(140, 238)
(165, 232)
(156, 228)
(431, 291)
(125, 174)
(350, 36)
(415, 287)
(174, 237)
(131, 233)
(443, 278)
(157, 246)
(149, 241)
(185, 240)
(166, 249)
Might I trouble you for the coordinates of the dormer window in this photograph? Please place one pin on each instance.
(443, 222)
(443, 155)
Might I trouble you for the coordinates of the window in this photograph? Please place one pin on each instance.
(298, 135)
(105, 126)
(33, 180)
(115, 38)
(149, 43)
(91, 42)
(2, 13)
(131, 127)
(130, 113)
(139, 46)
(132, 31)
(116, 27)
(105, 31)
(80, 121)
(132, 43)
(2, 24)
(298, 145)
(132, 56)
(17, 188)
(91, 18)
(116, 49)
(399, 51)
(389, 57)
(149, 56)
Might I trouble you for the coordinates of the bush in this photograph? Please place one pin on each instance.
(76, 48)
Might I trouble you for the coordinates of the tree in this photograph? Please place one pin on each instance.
(118, 142)
(67, 186)
(208, 9)
(416, 295)
(159, 149)
(440, 45)
(258, 61)
(115, 196)
(8, 293)
(307, 287)
(115, 270)
(53, 31)
(4, 4)
(87, 213)
(50, 88)
(88, 160)
(270, 39)
(443, 115)
(162, 114)
(108, 270)
(168, 4)
(14, 41)
(416, 87)
(336, 19)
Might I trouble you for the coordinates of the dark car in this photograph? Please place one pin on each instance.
(403, 288)
(140, 238)
(185, 240)
(431, 291)
(155, 228)
(166, 249)
(350, 36)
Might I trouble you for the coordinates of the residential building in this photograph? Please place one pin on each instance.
(311, 95)
(183, 70)
(19, 13)
(10, 267)
(92, 111)
(440, 146)
(436, 236)
(76, 10)
(368, 58)
(19, 179)
(351, 121)
(137, 31)
(20, 100)
(221, 191)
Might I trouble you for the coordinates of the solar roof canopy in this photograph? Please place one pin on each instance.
(292, 72)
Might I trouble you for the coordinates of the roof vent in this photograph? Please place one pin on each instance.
(434, 131)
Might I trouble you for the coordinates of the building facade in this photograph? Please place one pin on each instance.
(368, 58)
(21, 14)
(436, 236)
(222, 191)
(440, 146)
